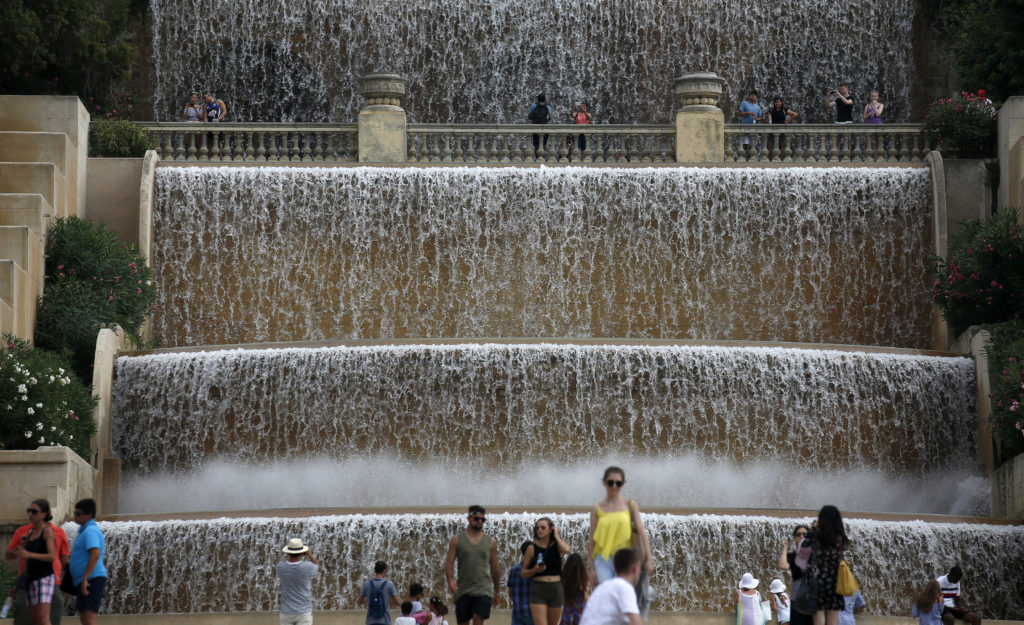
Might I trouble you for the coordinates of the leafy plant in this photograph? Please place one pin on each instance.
(118, 138)
(1006, 377)
(44, 403)
(93, 281)
(983, 279)
(963, 126)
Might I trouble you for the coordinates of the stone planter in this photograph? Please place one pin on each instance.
(55, 474)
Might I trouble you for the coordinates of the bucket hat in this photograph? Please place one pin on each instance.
(748, 581)
(777, 586)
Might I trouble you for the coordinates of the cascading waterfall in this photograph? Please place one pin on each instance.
(256, 254)
(473, 414)
(235, 570)
(278, 60)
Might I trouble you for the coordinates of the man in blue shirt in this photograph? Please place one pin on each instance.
(749, 113)
(87, 569)
(519, 592)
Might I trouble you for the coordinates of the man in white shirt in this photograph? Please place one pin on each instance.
(614, 601)
(296, 575)
(954, 607)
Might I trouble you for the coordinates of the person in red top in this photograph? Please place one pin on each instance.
(63, 550)
(580, 116)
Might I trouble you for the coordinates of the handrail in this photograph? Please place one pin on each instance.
(590, 144)
(828, 143)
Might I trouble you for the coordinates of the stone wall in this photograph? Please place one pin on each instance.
(56, 474)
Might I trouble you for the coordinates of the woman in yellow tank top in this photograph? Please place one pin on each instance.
(611, 528)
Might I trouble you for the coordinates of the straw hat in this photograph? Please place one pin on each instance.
(777, 586)
(295, 546)
(748, 581)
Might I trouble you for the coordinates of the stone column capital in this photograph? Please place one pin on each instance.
(383, 89)
(699, 90)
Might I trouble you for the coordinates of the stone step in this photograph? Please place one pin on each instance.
(25, 248)
(42, 178)
(18, 292)
(26, 209)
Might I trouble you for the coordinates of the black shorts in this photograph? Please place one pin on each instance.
(467, 605)
(91, 602)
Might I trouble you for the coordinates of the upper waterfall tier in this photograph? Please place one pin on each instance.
(257, 254)
(698, 559)
(467, 61)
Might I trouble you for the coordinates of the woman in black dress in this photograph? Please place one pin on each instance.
(787, 562)
(827, 543)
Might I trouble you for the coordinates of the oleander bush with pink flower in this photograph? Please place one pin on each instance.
(963, 126)
(982, 280)
(93, 281)
(42, 402)
(1006, 377)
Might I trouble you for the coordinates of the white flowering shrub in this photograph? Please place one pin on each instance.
(42, 402)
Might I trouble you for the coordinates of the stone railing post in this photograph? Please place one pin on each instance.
(700, 124)
(382, 137)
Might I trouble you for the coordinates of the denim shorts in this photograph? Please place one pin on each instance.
(604, 568)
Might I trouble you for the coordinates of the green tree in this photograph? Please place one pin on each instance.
(986, 40)
(79, 47)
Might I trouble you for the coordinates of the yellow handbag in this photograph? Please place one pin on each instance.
(846, 585)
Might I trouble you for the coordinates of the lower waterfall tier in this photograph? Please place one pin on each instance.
(158, 567)
(822, 255)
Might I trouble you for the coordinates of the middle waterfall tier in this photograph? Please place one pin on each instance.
(483, 409)
(257, 254)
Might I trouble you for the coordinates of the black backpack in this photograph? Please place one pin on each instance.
(378, 603)
(541, 114)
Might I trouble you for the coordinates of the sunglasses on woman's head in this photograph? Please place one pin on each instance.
(615, 483)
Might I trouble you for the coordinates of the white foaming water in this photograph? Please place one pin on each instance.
(257, 254)
(504, 406)
(467, 61)
(669, 481)
(228, 564)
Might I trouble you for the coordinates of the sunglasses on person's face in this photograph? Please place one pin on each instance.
(615, 483)
(800, 534)
(33, 510)
(478, 518)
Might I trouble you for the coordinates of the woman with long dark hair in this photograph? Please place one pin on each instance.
(38, 549)
(575, 589)
(788, 562)
(828, 539)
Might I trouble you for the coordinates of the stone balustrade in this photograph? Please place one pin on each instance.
(826, 143)
(513, 143)
(499, 144)
(698, 136)
(258, 142)
(556, 144)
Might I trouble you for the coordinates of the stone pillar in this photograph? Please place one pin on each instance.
(700, 124)
(1011, 152)
(109, 344)
(382, 137)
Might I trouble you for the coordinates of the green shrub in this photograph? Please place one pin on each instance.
(44, 403)
(93, 281)
(1006, 378)
(118, 138)
(963, 126)
(983, 279)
